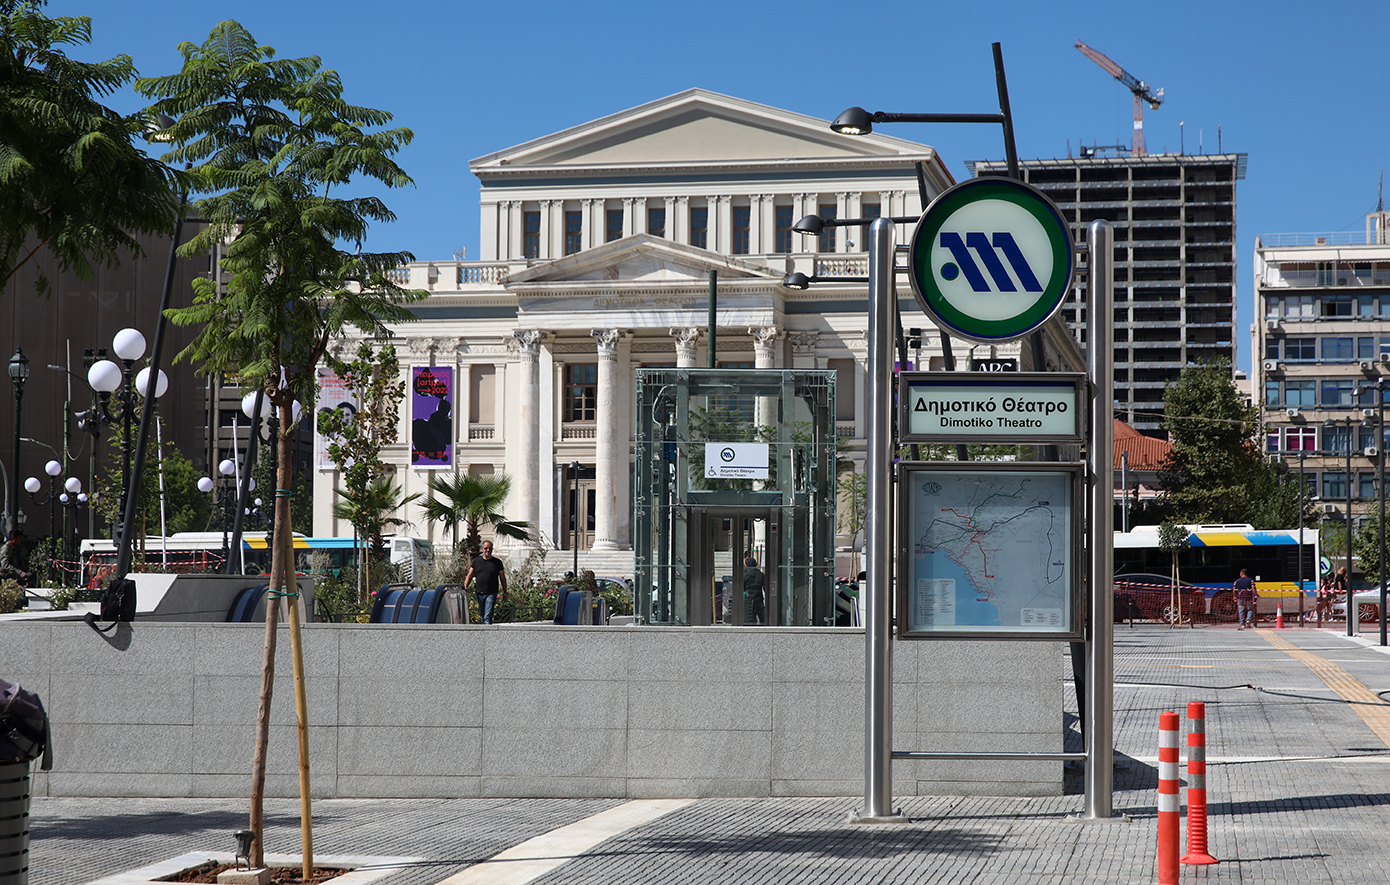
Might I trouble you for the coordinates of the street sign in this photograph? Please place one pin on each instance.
(981, 407)
(991, 259)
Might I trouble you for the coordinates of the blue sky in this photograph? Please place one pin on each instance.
(1299, 87)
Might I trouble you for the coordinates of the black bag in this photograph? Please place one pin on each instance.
(118, 602)
(24, 732)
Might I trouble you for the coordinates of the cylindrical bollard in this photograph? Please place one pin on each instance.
(1197, 785)
(1169, 826)
(14, 823)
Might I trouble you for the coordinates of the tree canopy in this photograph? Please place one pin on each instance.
(72, 179)
(1215, 471)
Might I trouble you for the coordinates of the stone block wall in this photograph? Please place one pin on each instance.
(164, 709)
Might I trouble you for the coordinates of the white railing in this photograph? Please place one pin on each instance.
(577, 432)
(476, 432)
(1337, 238)
(842, 267)
(492, 272)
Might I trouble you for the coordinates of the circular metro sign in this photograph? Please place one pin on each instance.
(991, 259)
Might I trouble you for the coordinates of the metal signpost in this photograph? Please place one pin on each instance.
(991, 261)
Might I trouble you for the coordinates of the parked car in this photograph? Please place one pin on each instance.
(1149, 596)
(1367, 605)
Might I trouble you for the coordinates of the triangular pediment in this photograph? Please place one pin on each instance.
(692, 128)
(641, 258)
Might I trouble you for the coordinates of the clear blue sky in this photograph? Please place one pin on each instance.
(1300, 87)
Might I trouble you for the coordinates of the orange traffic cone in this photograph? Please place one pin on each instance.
(1279, 616)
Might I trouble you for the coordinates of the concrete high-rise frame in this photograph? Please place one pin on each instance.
(1175, 258)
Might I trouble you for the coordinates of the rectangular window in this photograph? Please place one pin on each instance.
(1300, 394)
(699, 228)
(872, 210)
(1272, 441)
(827, 211)
(574, 228)
(783, 242)
(1271, 392)
(1300, 350)
(1301, 439)
(482, 394)
(1365, 438)
(742, 216)
(1336, 350)
(1336, 393)
(531, 235)
(1365, 348)
(615, 225)
(1299, 307)
(656, 222)
(1335, 439)
(581, 392)
(1366, 486)
(1336, 306)
(1334, 486)
(1272, 306)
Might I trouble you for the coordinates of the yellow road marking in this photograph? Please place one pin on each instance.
(1364, 702)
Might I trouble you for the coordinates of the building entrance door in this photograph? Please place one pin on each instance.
(732, 580)
(579, 506)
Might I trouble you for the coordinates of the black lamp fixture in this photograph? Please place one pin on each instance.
(19, 373)
(799, 281)
(244, 838)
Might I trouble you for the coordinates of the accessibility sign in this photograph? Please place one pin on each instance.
(991, 259)
(732, 460)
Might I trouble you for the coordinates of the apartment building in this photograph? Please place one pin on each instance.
(1323, 337)
(1175, 259)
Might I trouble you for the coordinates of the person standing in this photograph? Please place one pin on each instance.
(488, 576)
(1245, 600)
(754, 585)
(1326, 592)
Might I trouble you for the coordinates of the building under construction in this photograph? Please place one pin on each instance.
(1175, 259)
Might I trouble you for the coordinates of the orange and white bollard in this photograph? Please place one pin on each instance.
(1197, 786)
(1169, 827)
(1279, 616)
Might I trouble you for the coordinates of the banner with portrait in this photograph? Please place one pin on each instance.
(333, 394)
(431, 417)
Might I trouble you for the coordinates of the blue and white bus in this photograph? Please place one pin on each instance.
(1216, 556)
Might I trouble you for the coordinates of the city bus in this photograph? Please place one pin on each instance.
(202, 552)
(1214, 560)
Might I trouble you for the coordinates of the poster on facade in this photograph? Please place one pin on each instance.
(333, 394)
(431, 417)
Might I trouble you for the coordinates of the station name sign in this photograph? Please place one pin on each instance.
(1013, 407)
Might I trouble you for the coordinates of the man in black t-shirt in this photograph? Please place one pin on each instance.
(490, 577)
(1245, 600)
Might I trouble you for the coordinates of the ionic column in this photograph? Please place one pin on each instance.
(606, 449)
(634, 216)
(687, 338)
(677, 223)
(527, 486)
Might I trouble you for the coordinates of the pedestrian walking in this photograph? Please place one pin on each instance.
(1246, 598)
(490, 578)
(1326, 591)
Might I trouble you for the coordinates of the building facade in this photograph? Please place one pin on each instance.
(1322, 341)
(1175, 260)
(601, 246)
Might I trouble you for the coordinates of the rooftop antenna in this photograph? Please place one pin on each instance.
(1218, 138)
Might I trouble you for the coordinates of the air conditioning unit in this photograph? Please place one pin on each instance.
(1367, 366)
(1271, 324)
(1271, 365)
(1371, 452)
(1329, 508)
(1385, 357)
(1292, 413)
(1368, 413)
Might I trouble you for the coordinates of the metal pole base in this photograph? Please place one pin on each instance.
(1083, 819)
(858, 818)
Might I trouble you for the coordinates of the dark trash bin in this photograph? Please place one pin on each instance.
(24, 737)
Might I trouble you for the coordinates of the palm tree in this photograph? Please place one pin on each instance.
(370, 511)
(472, 502)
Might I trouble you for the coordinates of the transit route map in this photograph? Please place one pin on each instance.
(989, 551)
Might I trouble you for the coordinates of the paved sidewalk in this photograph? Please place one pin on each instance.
(1298, 750)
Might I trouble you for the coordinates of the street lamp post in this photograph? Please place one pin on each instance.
(1351, 615)
(224, 495)
(575, 467)
(107, 377)
(19, 373)
(1379, 388)
(32, 486)
(1302, 490)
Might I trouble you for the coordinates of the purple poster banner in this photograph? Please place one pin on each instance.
(432, 416)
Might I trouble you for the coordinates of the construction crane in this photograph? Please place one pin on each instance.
(1141, 90)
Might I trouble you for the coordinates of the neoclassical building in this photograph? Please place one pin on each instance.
(601, 247)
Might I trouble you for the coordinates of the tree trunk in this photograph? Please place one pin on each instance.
(272, 617)
(284, 552)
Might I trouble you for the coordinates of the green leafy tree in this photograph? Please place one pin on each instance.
(369, 510)
(71, 178)
(185, 508)
(1173, 539)
(1365, 544)
(472, 502)
(1215, 471)
(272, 143)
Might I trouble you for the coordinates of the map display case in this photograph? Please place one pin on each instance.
(989, 550)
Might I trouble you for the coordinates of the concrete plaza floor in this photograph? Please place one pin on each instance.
(1298, 751)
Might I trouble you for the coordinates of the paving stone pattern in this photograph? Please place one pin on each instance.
(1299, 787)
